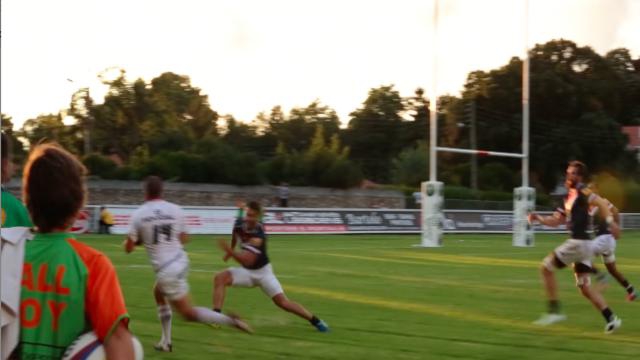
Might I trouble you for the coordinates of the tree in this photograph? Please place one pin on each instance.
(239, 135)
(411, 165)
(412, 132)
(373, 130)
(322, 164)
(17, 148)
(50, 128)
(575, 105)
(296, 131)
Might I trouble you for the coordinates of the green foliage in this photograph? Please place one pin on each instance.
(580, 100)
(411, 166)
(495, 176)
(322, 164)
(632, 197)
(17, 150)
(99, 165)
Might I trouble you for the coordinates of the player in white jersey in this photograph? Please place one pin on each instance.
(160, 226)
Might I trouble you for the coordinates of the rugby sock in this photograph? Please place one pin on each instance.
(314, 320)
(625, 284)
(208, 316)
(629, 288)
(164, 314)
(554, 307)
(608, 314)
(218, 310)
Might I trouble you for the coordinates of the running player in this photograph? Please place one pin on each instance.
(605, 245)
(256, 269)
(577, 249)
(15, 228)
(160, 226)
(68, 287)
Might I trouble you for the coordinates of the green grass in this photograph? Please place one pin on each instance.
(475, 298)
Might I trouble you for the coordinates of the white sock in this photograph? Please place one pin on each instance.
(164, 314)
(208, 316)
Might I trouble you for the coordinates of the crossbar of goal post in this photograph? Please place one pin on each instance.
(479, 152)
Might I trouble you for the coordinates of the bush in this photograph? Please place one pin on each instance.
(99, 165)
(410, 167)
(341, 174)
(632, 197)
(495, 176)
(459, 192)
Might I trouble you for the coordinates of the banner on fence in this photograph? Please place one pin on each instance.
(219, 220)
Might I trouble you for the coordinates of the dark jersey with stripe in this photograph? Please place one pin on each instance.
(253, 240)
(576, 212)
(600, 226)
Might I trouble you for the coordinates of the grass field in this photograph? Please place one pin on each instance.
(475, 298)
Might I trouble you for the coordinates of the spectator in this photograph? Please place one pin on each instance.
(417, 198)
(106, 221)
(283, 194)
(15, 226)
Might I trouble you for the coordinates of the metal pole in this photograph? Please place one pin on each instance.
(433, 107)
(525, 100)
(474, 145)
(87, 125)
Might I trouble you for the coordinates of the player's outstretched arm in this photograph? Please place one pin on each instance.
(554, 220)
(119, 345)
(604, 210)
(245, 258)
(129, 245)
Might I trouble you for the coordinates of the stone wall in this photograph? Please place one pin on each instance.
(130, 193)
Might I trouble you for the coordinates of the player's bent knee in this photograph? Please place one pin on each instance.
(187, 313)
(583, 281)
(551, 263)
(280, 300)
(223, 278)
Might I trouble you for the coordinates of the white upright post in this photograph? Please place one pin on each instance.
(432, 190)
(524, 198)
(432, 217)
(524, 202)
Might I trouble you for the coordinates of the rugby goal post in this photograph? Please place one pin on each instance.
(432, 191)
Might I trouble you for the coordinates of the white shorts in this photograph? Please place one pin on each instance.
(263, 277)
(571, 251)
(172, 279)
(605, 246)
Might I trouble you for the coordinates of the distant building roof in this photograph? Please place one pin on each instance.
(634, 136)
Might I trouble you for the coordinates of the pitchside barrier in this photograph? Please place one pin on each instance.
(219, 220)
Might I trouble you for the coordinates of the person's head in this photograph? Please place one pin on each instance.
(102, 208)
(7, 168)
(153, 188)
(253, 213)
(53, 187)
(576, 173)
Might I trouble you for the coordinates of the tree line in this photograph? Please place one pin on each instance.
(167, 126)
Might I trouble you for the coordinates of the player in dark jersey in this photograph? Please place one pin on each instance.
(256, 269)
(577, 249)
(605, 245)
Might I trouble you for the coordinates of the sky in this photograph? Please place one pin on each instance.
(250, 55)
